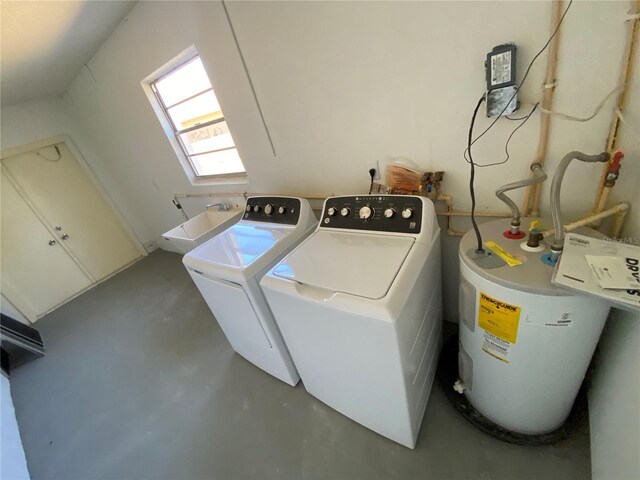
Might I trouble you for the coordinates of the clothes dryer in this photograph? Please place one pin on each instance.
(227, 270)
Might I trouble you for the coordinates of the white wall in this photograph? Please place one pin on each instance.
(24, 124)
(13, 465)
(117, 116)
(614, 399)
(29, 122)
(32, 121)
(342, 84)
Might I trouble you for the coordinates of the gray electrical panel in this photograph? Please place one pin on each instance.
(500, 68)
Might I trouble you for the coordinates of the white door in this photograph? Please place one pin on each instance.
(69, 202)
(37, 274)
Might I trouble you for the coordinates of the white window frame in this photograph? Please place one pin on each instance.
(173, 134)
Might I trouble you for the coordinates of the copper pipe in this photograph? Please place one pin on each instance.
(245, 195)
(450, 212)
(532, 195)
(619, 212)
(603, 190)
(477, 214)
(618, 222)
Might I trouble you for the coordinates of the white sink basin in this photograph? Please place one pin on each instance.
(201, 228)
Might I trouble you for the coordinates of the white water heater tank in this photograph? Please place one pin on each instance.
(525, 344)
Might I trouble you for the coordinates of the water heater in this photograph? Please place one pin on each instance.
(525, 344)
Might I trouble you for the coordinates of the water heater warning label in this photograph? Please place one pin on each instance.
(499, 318)
(496, 347)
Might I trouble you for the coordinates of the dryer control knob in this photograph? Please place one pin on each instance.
(389, 212)
(407, 213)
(331, 211)
(345, 211)
(366, 212)
(248, 208)
(256, 208)
(282, 210)
(268, 209)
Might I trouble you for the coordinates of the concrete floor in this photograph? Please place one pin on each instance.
(139, 382)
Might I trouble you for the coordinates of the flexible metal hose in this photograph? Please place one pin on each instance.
(556, 212)
(538, 176)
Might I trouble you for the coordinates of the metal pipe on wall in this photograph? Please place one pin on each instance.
(450, 212)
(537, 177)
(603, 189)
(246, 195)
(619, 212)
(531, 203)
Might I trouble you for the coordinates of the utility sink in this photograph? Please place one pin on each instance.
(199, 229)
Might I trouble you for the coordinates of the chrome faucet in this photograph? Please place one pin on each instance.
(222, 207)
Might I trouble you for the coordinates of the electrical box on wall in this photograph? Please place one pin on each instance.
(500, 68)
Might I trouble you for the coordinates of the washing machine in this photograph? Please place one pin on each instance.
(359, 306)
(227, 270)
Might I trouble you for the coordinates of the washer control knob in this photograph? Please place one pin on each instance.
(345, 211)
(248, 208)
(407, 213)
(331, 211)
(256, 208)
(282, 210)
(389, 212)
(268, 209)
(366, 212)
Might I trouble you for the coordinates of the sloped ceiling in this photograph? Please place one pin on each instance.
(43, 45)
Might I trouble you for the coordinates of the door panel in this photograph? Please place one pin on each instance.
(64, 195)
(236, 316)
(36, 276)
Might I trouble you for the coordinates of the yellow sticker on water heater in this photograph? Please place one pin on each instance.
(499, 318)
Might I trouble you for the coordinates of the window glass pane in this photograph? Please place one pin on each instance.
(218, 163)
(207, 139)
(189, 102)
(200, 109)
(183, 83)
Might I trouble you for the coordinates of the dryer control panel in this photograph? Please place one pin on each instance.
(381, 213)
(282, 210)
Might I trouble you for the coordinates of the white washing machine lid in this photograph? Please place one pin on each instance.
(359, 264)
(244, 246)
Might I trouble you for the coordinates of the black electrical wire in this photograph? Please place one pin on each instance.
(372, 174)
(516, 119)
(526, 74)
(473, 166)
(506, 145)
(472, 178)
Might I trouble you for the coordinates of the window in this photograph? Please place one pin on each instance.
(188, 101)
